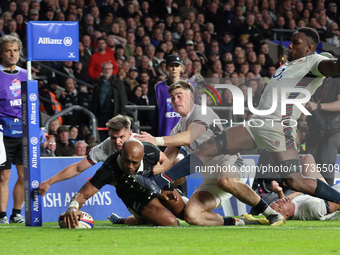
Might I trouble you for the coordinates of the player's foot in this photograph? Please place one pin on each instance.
(145, 183)
(276, 219)
(4, 220)
(248, 219)
(115, 219)
(17, 218)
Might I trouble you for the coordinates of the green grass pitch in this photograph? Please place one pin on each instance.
(296, 237)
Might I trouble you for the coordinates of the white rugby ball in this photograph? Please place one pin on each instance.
(86, 222)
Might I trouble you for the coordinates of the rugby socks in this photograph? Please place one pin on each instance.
(230, 221)
(121, 220)
(324, 191)
(3, 214)
(15, 211)
(183, 168)
(260, 207)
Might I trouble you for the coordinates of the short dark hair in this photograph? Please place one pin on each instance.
(311, 33)
(101, 38)
(119, 122)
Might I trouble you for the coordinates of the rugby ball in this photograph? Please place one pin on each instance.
(86, 222)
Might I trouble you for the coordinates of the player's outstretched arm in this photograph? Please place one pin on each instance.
(330, 67)
(67, 173)
(73, 214)
(180, 139)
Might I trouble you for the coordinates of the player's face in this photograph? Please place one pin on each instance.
(175, 70)
(299, 47)
(282, 206)
(181, 101)
(119, 137)
(130, 162)
(10, 54)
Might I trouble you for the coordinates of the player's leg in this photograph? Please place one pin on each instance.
(155, 213)
(229, 141)
(130, 220)
(18, 190)
(240, 190)
(199, 210)
(246, 195)
(4, 193)
(296, 181)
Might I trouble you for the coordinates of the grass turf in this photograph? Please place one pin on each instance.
(296, 237)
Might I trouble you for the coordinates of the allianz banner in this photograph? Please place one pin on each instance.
(53, 41)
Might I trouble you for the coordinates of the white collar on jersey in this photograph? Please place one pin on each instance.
(2, 68)
(139, 170)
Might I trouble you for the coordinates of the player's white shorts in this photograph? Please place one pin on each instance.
(272, 135)
(209, 184)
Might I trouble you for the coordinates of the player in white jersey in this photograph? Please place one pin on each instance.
(193, 129)
(280, 139)
(119, 131)
(298, 206)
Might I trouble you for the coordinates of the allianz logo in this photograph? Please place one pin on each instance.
(67, 41)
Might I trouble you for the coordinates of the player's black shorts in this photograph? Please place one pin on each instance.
(13, 147)
(136, 199)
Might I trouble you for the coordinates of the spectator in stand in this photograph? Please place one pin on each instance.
(109, 97)
(67, 70)
(332, 12)
(119, 53)
(105, 24)
(53, 127)
(51, 145)
(248, 28)
(264, 48)
(80, 72)
(130, 81)
(53, 106)
(73, 131)
(131, 44)
(80, 149)
(97, 59)
(89, 138)
(145, 66)
(64, 146)
(157, 36)
(72, 96)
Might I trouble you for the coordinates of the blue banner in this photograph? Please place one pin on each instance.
(31, 152)
(56, 40)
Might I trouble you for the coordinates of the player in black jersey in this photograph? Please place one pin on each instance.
(118, 170)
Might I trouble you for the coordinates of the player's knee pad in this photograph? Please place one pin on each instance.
(221, 142)
(286, 167)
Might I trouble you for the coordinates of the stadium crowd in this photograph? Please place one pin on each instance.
(123, 46)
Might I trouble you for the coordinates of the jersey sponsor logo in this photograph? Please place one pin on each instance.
(15, 88)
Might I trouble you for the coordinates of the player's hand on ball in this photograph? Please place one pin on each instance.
(72, 215)
(168, 195)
